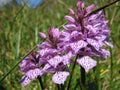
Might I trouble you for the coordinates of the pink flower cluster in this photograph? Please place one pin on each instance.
(84, 35)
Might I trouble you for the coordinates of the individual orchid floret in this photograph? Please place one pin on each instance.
(30, 75)
(53, 34)
(76, 46)
(59, 69)
(27, 64)
(34, 73)
(25, 80)
(55, 61)
(66, 59)
(87, 63)
(30, 67)
(60, 77)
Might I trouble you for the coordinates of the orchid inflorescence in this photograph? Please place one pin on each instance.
(84, 36)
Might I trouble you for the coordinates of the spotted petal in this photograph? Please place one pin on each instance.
(100, 37)
(46, 51)
(26, 64)
(87, 63)
(76, 46)
(94, 43)
(66, 58)
(32, 74)
(25, 80)
(60, 77)
(55, 61)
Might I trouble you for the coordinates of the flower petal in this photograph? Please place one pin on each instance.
(100, 37)
(53, 33)
(71, 11)
(90, 8)
(47, 51)
(25, 81)
(87, 63)
(60, 77)
(66, 58)
(42, 35)
(70, 27)
(44, 45)
(70, 19)
(26, 64)
(65, 36)
(34, 73)
(109, 44)
(55, 61)
(76, 46)
(94, 43)
(47, 66)
(105, 53)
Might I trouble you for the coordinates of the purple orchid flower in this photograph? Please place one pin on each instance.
(86, 36)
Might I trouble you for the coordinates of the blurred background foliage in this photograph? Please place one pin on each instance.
(20, 34)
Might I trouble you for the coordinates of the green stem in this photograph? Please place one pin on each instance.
(41, 83)
(58, 86)
(83, 78)
(72, 72)
(111, 68)
(62, 87)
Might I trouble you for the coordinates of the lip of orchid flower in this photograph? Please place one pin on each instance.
(30, 75)
(60, 77)
(87, 63)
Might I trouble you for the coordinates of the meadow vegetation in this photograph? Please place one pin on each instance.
(19, 33)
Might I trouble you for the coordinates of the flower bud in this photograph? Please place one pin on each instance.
(70, 19)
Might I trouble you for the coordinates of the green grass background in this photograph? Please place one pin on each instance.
(18, 36)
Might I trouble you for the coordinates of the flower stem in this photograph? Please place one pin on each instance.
(41, 83)
(58, 86)
(72, 72)
(83, 78)
(111, 68)
(62, 87)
